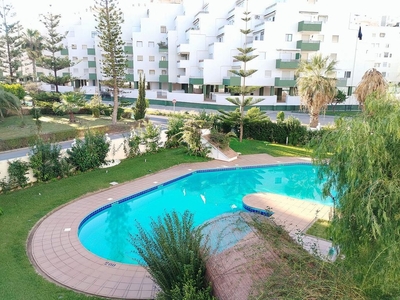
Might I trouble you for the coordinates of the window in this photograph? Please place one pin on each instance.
(163, 29)
(333, 56)
(387, 46)
(164, 72)
(268, 73)
(151, 58)
(74, 58)
(151, 44)
(262, 35)
(335, 39)
(93, 34)
(347, 74)
(140, 71)
(76, 70)
(84, 47)
(384, 74)
(377, 65)
(288, 37)
(85, 71)
(140, 58)
(386, 54)
(384, 64)
(163, 58)
(323, 19)
(139, 44)
(84, 58)
(382, 34)
(152, 72)
(73, 46)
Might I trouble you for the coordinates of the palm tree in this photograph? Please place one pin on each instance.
(33, 45)
(9, 102)
(316, 84)
(371, 82)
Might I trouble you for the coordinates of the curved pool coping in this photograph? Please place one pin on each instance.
(55, 251)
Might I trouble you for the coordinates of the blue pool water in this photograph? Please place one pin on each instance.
(207, 194)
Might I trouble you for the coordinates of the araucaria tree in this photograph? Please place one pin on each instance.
(33, 46)
(245, 56)
(140, 107)
(359, 160)
(10, 44)
(52, 60)
(371, 82)
(316, 84)
(109, 19)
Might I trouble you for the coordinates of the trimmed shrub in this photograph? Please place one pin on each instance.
(44, 160)
(89, 153)
(17, 171)
(219, 139)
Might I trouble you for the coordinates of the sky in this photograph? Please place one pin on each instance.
(28, 12)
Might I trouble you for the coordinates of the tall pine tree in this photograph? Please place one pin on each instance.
(10, 44)
(243, 90)
(140, 108)
(52, 60)
(109, 19)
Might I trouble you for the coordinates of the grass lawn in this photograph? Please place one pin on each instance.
(14, 127)
(258, 147)
(23, 208)
(340, 113)
(319, 229)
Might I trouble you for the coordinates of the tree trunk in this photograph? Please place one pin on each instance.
(115, 110)
(314, 118)
(71, 117)
(34, 70)
(241, 122)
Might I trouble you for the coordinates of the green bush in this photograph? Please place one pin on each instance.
(173, 255)
(107, 111)
(120, 111)
(280, 116)
(89, 153)
(44, 160)
(17, 171)
(96, 112)
(219, 139)
(174, 131)
(127, 115)
(131, 145)
(47, 97)
(15, 88)
(1, 211)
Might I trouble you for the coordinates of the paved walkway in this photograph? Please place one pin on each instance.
(57, 254)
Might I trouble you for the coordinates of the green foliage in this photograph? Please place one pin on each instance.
(96, 112)
(150, 137)
(46, 97)
(89, 153)
(95, 101)
(10, 43)
(33, 46)
(9, 103)
(16, 89)
(363, 170)
(191, 137)
(220, 139)
(280, 116)
(109, 18)
(316, 84)
(70, 103)
(140, 107)
(132, 144)
(17, 171)
(120, 111)
(44, 160)
(1, 211)
(173, 255)
(53, 44)
(174, 131)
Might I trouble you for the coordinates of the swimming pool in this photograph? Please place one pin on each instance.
(206, 193)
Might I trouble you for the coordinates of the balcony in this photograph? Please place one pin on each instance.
(182, 79)
(285, 82)
(196, 81)
(232, 81)
(308, 45)
(92, 76)
(163, 78)
(308, 26)
(128, 49)
(64, 51)
(183, 64)
(129, 77)
(129, 64)
(91, 64)
(162, 47)
(341, 82)
(91, 51)
(183, 49)
(163, 64)
(287, 63)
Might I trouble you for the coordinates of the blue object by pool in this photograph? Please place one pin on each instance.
(206, 193)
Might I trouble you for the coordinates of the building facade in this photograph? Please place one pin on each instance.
(186, 48)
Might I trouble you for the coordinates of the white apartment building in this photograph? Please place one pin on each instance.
(186, 48)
